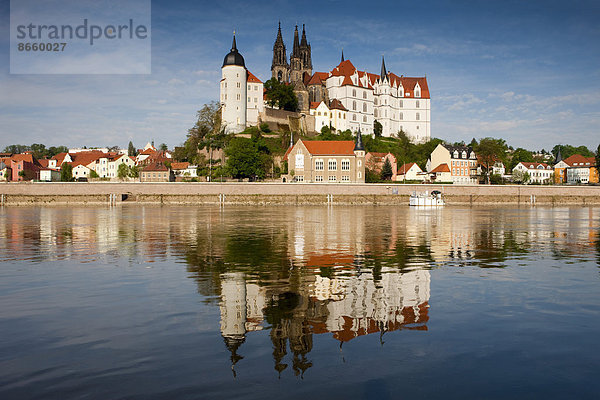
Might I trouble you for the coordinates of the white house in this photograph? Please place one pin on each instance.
(538, 172)
(410, 172)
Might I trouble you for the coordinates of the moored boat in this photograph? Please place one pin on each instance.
(433, 199)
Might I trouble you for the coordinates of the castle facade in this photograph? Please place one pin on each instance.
(343, 98)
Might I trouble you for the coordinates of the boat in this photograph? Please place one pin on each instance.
(433, 199)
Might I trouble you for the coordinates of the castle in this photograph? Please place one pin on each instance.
(343, 98)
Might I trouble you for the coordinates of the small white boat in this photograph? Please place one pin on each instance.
(433, 199)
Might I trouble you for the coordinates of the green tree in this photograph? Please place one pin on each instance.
(52, 151)
(243, 158)
(163, 147)
(489, 151)
(377, 128)
(280, 95)
(66, 172)
(520, 176)
(567, 151)
(598, 156)
(94, 174)
(386, 171)
(122, 171)
(131, 151)
(39, 150)
(133, 172)
(16, 148)
(519, 155)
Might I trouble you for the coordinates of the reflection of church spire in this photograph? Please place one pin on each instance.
(279, 348)
(233, 343)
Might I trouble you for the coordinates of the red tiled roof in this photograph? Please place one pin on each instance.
(580, 160)
(329, 147)
(534, 165)
(441, 168)
(345, 68)
(318, 78)
(180, 165)
(155, 167)
(44, 162)
(404, 169)
(23, 157)
(314, 104)
(252, 78)
(337, 105)
(86, 157)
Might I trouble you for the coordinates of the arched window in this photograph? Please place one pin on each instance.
(354, 105)
(418, 116)
(375, 113)
(401, 104)
(353, 117)
(279, 76)
(401, 116)
(364, 95)
(364, 107)
(353, 92)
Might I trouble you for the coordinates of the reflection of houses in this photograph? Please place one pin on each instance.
(358, 305)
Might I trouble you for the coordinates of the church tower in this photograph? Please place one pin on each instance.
(305, 56)
(280, 68)
(233, 91)
(296, 60)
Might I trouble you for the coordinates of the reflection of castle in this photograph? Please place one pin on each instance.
(347, 307)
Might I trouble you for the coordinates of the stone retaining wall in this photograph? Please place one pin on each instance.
(281, 193)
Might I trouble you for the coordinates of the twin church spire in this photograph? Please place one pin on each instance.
(300, 58)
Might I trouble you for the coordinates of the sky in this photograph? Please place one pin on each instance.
(524, 71)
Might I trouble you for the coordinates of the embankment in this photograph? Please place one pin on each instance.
(287, 193)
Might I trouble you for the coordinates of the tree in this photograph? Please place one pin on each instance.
(519, 155)
(243, 158)
(52, 151)
(280, 95)
(94, 174)
(133, 172)
(66, 172)
(489, 151)
(16, 148)
(598, 157)
(386, 171)
(131, 151)
(567, 151)
(39, 150)
(113, 149)
(122, 171)
(520, 176)
(377, 128)
(163, 147)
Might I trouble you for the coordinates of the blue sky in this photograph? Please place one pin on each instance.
(524, 71)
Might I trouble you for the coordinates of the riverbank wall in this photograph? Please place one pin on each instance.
(19, 194)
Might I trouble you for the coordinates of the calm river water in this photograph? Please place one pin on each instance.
(139, 302)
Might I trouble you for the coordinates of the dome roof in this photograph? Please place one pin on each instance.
(234, 58)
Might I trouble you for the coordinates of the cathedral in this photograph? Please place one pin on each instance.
(343, 98)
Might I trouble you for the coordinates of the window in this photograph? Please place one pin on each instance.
(353, 117)
(354, 105)
(418, 103)
(418, 116)
(401, 116)
(417, 94)
(345, 178)
(238, 96)
(332, 178)
(401, 104)
(359, 163)
(319, 178)
(375, 100)
(248, 99)
(345, 165)
(332, 165)
(299, 161)
(299, 178)
(364, 118)
(238, 85)
(353, 92)
(319, 165)
(364, 107)
(364, 95)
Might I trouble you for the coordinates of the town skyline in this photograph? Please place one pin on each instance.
(504, 70)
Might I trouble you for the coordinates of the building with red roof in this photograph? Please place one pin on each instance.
(326, 161)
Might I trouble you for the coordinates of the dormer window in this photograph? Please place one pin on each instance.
(455, 154)
(464, 154)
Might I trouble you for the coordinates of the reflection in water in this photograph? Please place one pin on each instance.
(303, 271)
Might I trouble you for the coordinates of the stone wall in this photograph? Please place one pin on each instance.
(289, 193)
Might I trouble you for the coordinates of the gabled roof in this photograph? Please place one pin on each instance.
(28, 157)
(318, 78)
(252, 78)
(441, 168)
(337, 105)
(406, 167)
(86, 157)
(315, 104)
(345, 68)
(534, 165)
(577, 160)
